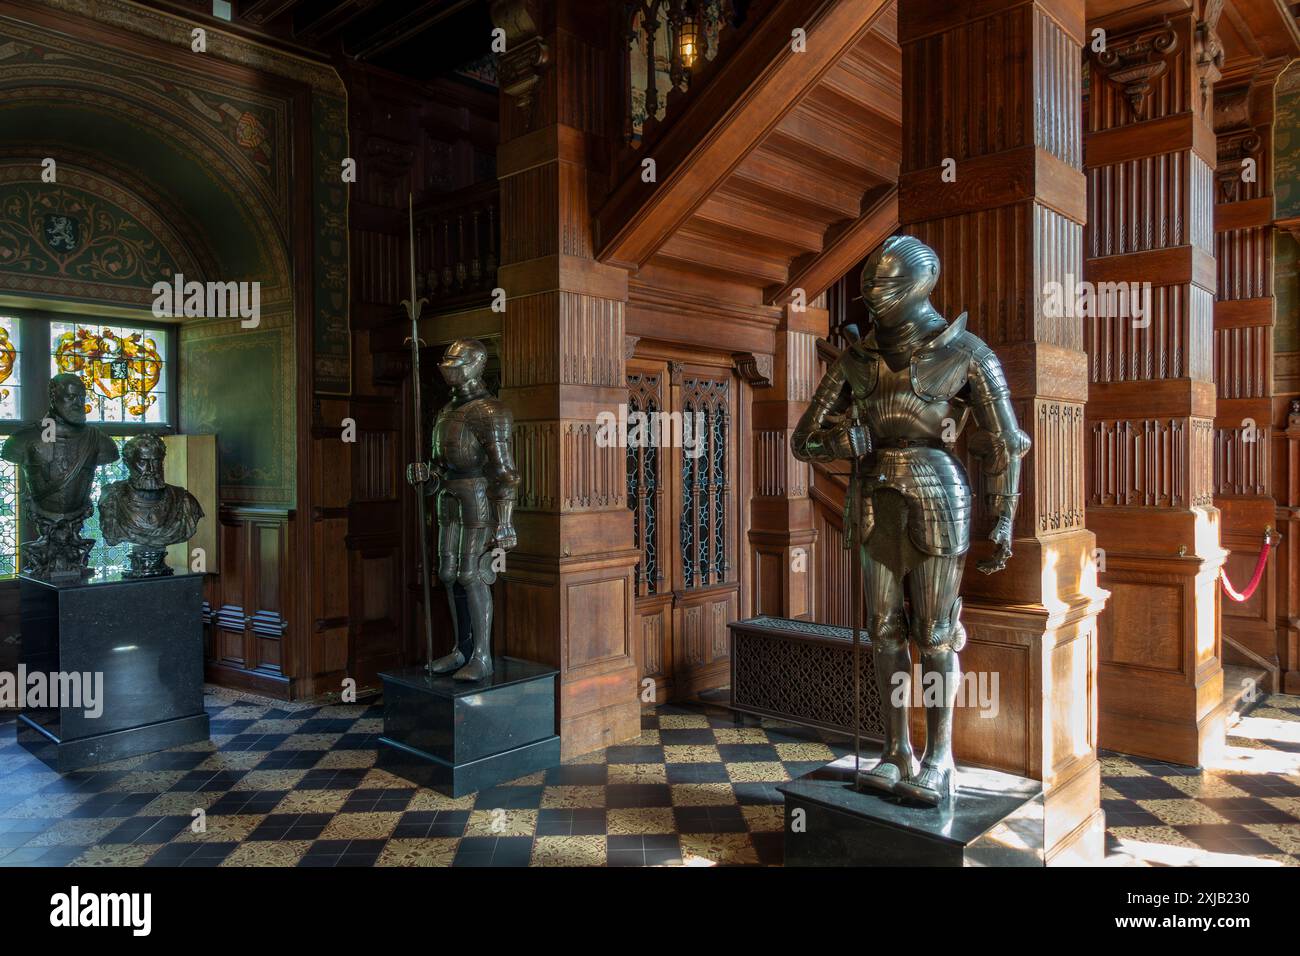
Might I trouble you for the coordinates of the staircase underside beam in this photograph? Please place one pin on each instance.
(846, 244)
(741, 105)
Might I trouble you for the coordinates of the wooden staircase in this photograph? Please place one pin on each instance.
(782, 174)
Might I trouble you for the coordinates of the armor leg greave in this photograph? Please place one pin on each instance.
(892, 666)
(478, 599)
(447, 571)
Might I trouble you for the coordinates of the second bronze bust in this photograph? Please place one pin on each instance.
(145, 510)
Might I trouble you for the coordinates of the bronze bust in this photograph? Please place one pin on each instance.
(893, 404)
(146, 511)
(58, 457)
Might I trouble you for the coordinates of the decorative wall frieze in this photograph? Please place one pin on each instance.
(226, 46)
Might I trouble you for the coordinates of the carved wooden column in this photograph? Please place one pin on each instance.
(1244, 433)
(569, 587)
(1151, 404)
(781, 531)
(991, 94)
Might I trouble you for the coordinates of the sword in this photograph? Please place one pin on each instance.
(413, 308)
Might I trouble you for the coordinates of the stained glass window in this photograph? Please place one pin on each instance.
(122, 368)
(10, 382)
(102, 555)
(8, 519)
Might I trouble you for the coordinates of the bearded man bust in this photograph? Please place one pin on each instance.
(146, 511)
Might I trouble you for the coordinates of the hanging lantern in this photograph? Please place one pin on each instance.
(688, 40)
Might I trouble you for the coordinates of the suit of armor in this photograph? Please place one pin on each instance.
(472, 473)
(895, 401)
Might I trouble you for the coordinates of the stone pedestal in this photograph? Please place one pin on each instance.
(460, 737)
(133, 652)
(993, 819)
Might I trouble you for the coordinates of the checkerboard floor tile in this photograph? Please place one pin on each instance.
(296, 785)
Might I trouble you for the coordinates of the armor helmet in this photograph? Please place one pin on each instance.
(463, 362)
(899, 275)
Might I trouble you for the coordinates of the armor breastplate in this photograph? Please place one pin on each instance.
(916, 401)
(455, 446)
(908, 411)
(894, 410)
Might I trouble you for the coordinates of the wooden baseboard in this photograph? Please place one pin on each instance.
(236, 678)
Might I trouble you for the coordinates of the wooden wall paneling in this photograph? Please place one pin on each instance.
(996, 87)
(1151, 158)
(782, 538)
(1245, 422)
(251, 599)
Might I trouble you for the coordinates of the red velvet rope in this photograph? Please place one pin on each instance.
(1232, 592)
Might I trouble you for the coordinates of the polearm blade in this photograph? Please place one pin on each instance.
(413, 308)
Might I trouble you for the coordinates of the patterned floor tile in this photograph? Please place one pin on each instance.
(569, 851)
(296, 785)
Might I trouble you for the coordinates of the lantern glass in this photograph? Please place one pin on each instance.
(688, 42)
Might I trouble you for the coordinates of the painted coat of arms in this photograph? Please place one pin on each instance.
(62, 233)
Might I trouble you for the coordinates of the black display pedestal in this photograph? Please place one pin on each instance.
(459, 737)
(993, 819)
(143, 635)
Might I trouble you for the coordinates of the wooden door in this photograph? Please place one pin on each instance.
(683, 496)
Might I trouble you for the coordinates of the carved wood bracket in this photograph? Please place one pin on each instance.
(1135, 63)
(526, 54)
(1209, 53)
(754, 369)
(1232, 148)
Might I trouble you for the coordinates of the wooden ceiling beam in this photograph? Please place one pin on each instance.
(747, 99)
(728, 215)
(261, 11)
(784, 181)
(821, 133)
(1270, 26)
(700, 253)
(846, 244)
(319, 21)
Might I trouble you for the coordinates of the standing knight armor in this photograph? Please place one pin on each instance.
(895, 401)
(472, 473)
